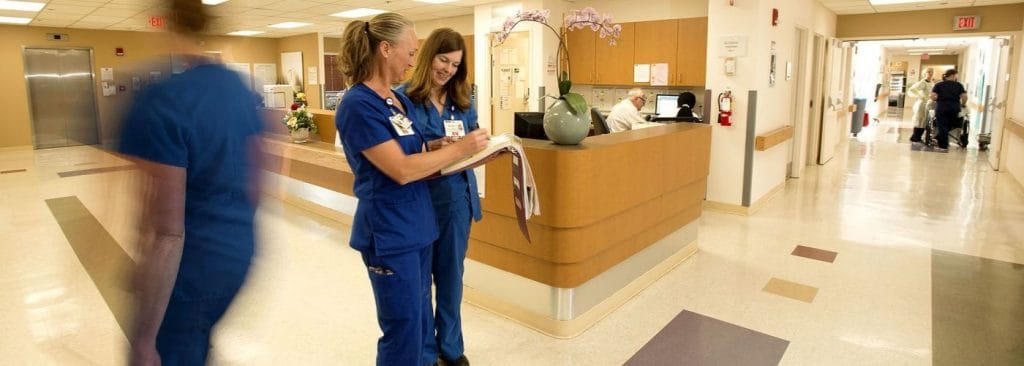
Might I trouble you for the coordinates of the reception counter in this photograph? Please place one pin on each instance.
(617, 212)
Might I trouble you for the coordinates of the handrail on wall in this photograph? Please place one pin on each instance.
(775, 137)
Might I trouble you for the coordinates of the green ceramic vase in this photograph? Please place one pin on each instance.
(564, 127)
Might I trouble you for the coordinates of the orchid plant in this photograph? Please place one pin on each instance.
(575, 20)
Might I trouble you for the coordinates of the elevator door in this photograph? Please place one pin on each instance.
(61, 96)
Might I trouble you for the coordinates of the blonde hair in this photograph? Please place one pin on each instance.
(360, 40)
(443, 40)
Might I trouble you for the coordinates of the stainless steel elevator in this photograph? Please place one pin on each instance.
(61, 96)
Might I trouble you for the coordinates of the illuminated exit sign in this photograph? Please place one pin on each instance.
(966, 22)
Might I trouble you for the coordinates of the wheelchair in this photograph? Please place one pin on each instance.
(959, 134)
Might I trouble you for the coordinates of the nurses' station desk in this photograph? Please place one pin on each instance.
(618, 211)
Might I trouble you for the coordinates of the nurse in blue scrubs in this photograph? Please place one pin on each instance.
(441, 100)
(394, 224)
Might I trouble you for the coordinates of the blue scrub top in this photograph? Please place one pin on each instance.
(203, 120)
(457, 186)
(390, 218)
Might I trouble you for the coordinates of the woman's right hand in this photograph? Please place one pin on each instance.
(473, 141)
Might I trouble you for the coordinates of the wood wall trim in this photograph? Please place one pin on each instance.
(773, 138)
(1015, 127)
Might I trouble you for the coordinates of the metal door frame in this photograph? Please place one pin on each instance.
(92, 74)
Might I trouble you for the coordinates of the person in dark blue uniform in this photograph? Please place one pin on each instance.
(948, 95)
(441, 101)
(196, 139)
(394, 224)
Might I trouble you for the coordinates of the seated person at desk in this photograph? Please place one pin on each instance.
(627, 113)
(686, 103)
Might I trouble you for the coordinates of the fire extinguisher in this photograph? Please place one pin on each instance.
(725, 108)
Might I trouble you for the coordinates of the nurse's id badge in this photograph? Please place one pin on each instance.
(454, 128)
(402, 124)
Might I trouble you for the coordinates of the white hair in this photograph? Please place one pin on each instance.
(636, 92)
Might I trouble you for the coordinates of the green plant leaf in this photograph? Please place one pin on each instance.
(564, 86)
(576, 102)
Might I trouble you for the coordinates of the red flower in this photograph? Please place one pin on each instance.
(295, 106)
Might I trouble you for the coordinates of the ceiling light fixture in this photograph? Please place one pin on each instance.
(13, 20)
(289, 25)
(214, 2)
(21, 5)
(358, 13)
(245, 33)
(900, 2)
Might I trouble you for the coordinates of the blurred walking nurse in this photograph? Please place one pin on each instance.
(394, 224)
(440, 95)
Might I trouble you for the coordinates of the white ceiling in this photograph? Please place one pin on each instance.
(864, 6)
(931, 46)
(234, 15)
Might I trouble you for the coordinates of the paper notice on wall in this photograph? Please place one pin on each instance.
(504, 102)
(314, 76)
(659, 74)
(264, 74)
(641, 73)
(107, 73)
(108, 88)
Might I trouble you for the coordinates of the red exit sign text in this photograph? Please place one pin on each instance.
(156, 21)
(966, 22)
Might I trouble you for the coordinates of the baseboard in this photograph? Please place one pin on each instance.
(744, 210)
(565, 329)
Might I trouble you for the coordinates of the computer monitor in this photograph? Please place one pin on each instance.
(666, 105)
(530, 125)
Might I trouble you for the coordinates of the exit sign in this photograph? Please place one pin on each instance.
(966, 22)
(156, 21)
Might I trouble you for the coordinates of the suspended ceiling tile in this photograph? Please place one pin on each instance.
(69, 9)
(117, 12)
(289, 5)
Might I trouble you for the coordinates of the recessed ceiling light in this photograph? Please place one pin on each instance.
(289, 25)
(359, 13)
(13, 20)
(898, 2)
(21, 5)
(214, 2)
(245, 33)
(435, 1)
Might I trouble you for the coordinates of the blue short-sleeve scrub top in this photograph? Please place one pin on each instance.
(390, 218)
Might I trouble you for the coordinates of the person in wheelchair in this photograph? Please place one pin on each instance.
(949, 96)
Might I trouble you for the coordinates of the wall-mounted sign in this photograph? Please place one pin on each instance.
(732, 46)
(966, 22)
(156, 21)
(119, 51)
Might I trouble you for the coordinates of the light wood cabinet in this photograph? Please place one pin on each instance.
(656, 44)
(692, 52)
(615, 63)
(581, 44)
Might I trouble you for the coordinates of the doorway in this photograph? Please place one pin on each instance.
(62, 100)
(799, 109)
(816, 101)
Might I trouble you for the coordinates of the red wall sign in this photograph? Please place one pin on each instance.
(156, 21)
(966, 22)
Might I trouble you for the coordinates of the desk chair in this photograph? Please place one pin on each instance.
(598, 121)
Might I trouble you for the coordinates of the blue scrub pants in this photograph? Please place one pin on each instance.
(448, 266)
(184, 335)
(401, 288)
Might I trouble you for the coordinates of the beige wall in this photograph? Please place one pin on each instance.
(144, 51)
(309, 45)
(462, 24)
(631, 11)
(332, 45)
(941, 60)
(998, 18)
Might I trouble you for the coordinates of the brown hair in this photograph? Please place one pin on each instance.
(949, 73)
(188, 17)
(440, 41)
(359, 43)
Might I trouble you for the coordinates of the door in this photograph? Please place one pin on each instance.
(799, 109)
(510, 92)
(816, 100)
(61, 95)
(997, 107)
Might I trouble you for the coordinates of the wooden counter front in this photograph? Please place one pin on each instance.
(601, 202)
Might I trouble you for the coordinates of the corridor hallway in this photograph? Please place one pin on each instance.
(906, 258)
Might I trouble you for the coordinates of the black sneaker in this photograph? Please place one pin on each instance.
(461, 361)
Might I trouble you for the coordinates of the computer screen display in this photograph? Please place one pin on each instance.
(530, 125)
(666, 105)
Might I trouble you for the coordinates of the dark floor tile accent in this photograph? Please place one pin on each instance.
(692, 339)
(75, 173)
(13, 171)
(977, 311)
(815, 253)
(104, 260)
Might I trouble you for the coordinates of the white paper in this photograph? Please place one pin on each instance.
(107, 73)
(641, 73)
(659, 74)
(732, 46)
(313, 76)
(108, 88)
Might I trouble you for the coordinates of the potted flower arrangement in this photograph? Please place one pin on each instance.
(299, 122)
(567, 121)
